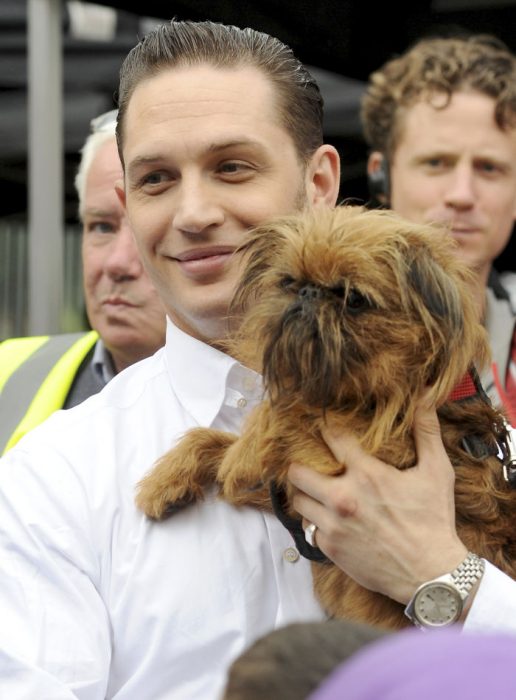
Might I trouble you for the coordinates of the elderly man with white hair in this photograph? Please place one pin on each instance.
(42, 374)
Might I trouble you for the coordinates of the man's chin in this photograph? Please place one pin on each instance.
(209, 324)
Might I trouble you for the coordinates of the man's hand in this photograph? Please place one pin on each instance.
(390, 530)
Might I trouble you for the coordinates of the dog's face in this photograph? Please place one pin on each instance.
(347, 305)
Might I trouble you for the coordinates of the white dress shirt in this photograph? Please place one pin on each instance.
(96, 601)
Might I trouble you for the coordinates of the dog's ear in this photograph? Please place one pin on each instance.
(438, 291)
(444, 301)
(441, 300)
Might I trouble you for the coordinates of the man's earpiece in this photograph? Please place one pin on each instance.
(379, 182)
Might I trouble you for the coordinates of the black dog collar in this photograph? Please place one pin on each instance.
(505, 448)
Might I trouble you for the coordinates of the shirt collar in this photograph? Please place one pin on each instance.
(102, 362)
(206, 380)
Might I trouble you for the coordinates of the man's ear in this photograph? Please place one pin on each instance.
(120, 192)
(374, 162)
(378, 177)
(323, 176)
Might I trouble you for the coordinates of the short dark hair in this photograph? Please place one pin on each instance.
(291, 662)
(438, 66)
(195, 43)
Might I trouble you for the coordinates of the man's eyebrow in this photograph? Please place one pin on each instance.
(156, 158)
(234, 143)
(93, 211)
(434, 153)
(142, 161)
(497, 158)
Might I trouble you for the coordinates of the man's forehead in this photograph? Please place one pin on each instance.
(438, 104)
(201, 107)
(102, 175)
(194, 90)
(106, 158)
(438, 112)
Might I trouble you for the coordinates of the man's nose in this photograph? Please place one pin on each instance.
(197, 207)
(123, 260)
(460, 190)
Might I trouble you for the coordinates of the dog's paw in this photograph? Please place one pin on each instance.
(181, 475)
(160, 500)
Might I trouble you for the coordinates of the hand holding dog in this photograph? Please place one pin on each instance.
(390, 530)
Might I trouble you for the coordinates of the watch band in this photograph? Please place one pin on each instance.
(468, 573)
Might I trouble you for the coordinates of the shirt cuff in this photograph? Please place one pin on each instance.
(494, 606)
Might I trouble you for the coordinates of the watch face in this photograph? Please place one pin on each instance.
(437, 604)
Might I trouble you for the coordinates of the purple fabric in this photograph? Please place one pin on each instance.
(438, 665)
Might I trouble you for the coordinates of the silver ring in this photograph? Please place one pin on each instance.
(310, 534)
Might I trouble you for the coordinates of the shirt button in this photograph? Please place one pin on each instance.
(242, 403)
(291, 555)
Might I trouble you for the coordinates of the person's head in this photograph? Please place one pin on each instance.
(121, 302)
(440, 121)
(219, 128)
(445, 664)
(290, 662)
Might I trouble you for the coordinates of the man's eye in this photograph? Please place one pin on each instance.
(233, 168)
(488, 167)
(101, 227)
(155, 178)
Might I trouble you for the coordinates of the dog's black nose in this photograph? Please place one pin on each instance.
(310, 292)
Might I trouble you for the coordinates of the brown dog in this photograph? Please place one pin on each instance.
(350, 315)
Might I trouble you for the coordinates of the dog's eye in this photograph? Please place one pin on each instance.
(356, 301)
(286, 282)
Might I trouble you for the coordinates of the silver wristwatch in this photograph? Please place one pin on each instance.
(440, 602)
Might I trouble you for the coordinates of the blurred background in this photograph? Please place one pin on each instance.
(71, 52)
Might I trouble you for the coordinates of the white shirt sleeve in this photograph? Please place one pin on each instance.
(494, 606)
(54, 630)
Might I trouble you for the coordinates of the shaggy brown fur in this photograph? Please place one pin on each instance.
(350, 315)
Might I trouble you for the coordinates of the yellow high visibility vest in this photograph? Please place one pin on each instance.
(36, 374)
